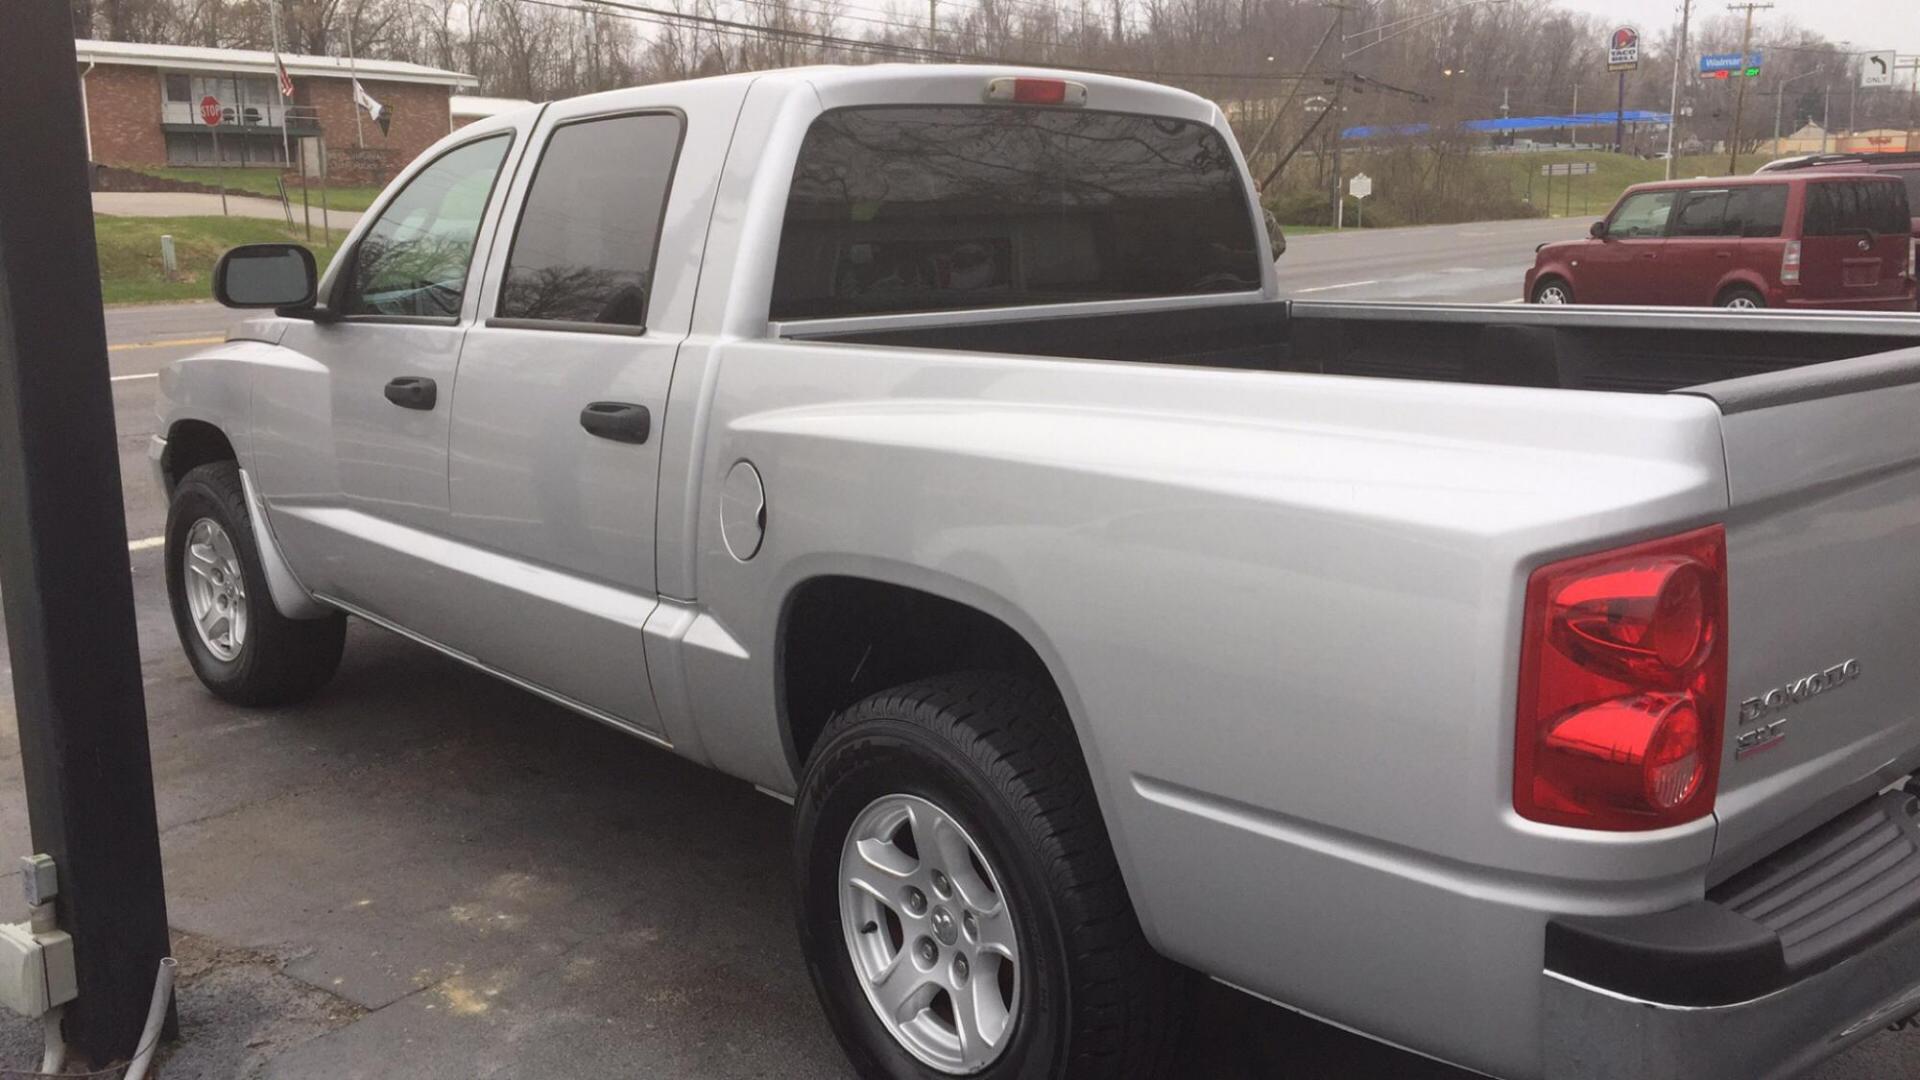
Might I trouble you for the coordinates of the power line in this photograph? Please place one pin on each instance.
(668, 17)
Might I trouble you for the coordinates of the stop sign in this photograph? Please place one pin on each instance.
(210, 111)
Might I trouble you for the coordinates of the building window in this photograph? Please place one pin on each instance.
(179, 88)
(237, 147)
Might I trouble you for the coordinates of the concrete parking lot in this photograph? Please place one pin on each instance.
(426, 873)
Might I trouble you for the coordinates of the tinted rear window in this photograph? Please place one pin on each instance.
(1838, 207)
(897, 209)
(1756, 210)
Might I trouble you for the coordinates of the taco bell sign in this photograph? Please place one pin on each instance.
(1623, 49)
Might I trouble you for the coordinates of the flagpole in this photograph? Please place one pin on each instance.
(353, 73)
(280, 71)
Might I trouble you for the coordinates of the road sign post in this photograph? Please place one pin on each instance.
(211, 115)
(1360, 187)
(63, 550)
(1623, 55)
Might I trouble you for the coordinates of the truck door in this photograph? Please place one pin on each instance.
(349, 448)
(1618, 269)
(562, 393)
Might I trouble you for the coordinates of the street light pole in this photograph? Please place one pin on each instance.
(1679, 60)
(1779, 103)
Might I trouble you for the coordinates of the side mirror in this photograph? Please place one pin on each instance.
(265, 276)
(1598, 230)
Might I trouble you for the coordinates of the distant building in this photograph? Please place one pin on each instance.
(1877, 141)
(467, 108)
(1810, 139)
(144, 106)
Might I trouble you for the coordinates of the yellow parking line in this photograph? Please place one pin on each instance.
(170, 344)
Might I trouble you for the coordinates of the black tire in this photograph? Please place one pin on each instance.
(1551, 282)
(280, 660)
(1740, 296)
(994, 752)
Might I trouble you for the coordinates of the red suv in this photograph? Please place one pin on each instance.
(1774, 240)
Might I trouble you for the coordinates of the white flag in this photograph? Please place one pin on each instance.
(374, 109)
(365, 101)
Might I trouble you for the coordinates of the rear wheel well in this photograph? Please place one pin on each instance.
(844, 639)
(191, 444)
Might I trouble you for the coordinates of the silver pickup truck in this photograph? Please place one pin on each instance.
(1536, 690)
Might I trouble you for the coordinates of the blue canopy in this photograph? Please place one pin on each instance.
(1509, 124)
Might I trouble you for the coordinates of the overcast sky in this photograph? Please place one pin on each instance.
(1869, 24)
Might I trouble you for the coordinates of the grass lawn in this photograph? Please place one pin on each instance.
(1613, 174)
(130, 271)
(257, 181)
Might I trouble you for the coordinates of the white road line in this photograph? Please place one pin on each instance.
(147, 544)
(1342, 285)
(130, 378)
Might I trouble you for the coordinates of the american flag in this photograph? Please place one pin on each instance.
(286, 81)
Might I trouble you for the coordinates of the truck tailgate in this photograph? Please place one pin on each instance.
(1823, 550)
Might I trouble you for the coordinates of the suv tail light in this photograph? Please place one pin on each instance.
(1623, 673)
(1790, 264)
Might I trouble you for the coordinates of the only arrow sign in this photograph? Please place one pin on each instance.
(1877, 69)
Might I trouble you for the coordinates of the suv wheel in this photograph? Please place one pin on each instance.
(1552, 290)
(1741, 298)
(960, 907)
(239, 644)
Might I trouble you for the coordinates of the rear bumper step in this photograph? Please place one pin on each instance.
(1787, 963)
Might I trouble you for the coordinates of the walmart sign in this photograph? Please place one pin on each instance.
(1728, 65)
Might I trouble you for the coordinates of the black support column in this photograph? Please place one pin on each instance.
(63, 546)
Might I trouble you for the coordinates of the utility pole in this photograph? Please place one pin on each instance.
(1740, 94)
(1337, 107)
(933, 25)
(1679, 64)
(77, 691)
(1573, 121)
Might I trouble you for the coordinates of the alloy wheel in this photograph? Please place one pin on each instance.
(930, 933)
(216, 589)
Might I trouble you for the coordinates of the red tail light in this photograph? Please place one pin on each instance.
(1623, 673)
(1037, 91)
(1790, 264)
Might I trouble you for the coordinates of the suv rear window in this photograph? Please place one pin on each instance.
(1838, 207)
(925, 208)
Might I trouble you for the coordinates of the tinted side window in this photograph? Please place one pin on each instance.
(1701, 213)
(584, 249)
(1757, 210)
(923, 208)
(1848, 206)
(413, 260)
(1642, 214)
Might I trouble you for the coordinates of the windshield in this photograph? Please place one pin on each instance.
(897, 209)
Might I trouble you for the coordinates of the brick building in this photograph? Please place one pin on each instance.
(144, 107)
